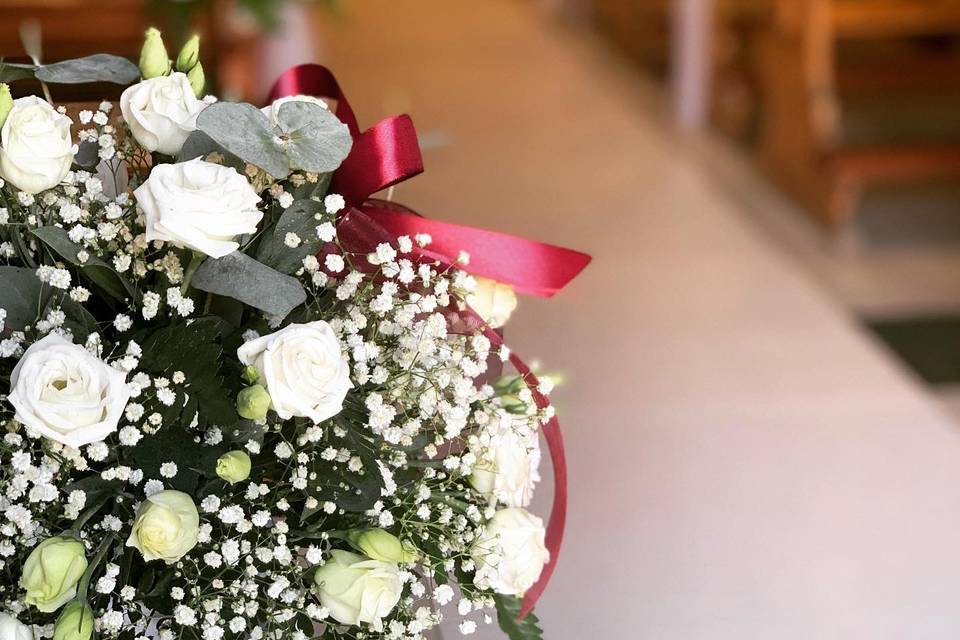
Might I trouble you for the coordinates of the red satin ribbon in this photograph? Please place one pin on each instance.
(389, 153)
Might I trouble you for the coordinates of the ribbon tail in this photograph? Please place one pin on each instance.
(534, 268)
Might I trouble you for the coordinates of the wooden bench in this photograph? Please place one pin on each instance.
(801, 143)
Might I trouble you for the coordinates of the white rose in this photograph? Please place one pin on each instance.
(66, 394)
(493, 301)
(198, 205)
(273, 110)
(508, 457)
(36, 150)
(510, 553)
(166, 526)
(303, 369)
(161, 112)
(13, 629)
(357, 589)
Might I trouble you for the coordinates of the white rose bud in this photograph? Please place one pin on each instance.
(161, 112)
(493, 301)
(508, 457)
(357, 589)
(66, 394)
(303, 369)
(166, 526)
(510, 553)
(13, 629)
(36, 150)
(198, 205)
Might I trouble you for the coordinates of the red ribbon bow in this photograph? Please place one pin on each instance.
(389, 153)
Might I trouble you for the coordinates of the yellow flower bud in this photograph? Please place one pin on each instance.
(493, 301)
(197, 80)
(381, 545)
(75, 622)
(6, 102)
(250, 372)
(253, 402)
(234, 466)
(166, 527)
(189, 54)
(52, 571)
(154, 61)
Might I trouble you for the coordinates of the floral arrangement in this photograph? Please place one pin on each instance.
(232, 410)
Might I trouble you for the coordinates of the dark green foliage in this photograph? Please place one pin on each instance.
(508, 608)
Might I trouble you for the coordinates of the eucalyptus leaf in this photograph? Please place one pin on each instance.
(11, 72)
(239, 276)
(88, 154)
(316, 140)
(98, 271)
(22, 296)
(100, 67)
(298, 218)
(200, 145)
(244, 131)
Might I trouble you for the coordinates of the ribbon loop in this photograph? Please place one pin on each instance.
(381, 156)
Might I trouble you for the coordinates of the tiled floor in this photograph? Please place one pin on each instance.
(745, 462)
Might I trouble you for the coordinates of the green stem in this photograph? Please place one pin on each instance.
(195, 261)
(88, 574)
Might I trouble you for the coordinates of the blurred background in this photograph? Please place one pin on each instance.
(762, 396)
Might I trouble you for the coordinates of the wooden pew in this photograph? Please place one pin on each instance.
(801, 142)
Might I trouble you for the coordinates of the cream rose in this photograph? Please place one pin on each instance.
(166, 527)
(510, 553)
(493, 301)
(198, 205)
(36, 150)
(303, 369)
(357, 589)
(13, 629)
(52, 571)
(273, 110)
(508, 457)
(161, 112)
(66, 394)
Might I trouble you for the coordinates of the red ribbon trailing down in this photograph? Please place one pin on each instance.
(389, 153)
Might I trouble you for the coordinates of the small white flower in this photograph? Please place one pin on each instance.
(443, 594)
(334, 203)
(185, 616)
(152, 486)
(333, 262)
(122, 322)
(326, 232)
